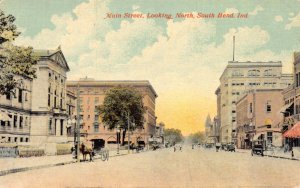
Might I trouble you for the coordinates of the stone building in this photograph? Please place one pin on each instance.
(37, 112)
(15, 112)
(236, 80)
(92, 94)
(259, 117)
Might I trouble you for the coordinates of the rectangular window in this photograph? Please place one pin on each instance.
(21, 139)
(61, 127)
(96, 118)
(233, 119)
(26, 139)
(9, 122)
(8, 96)
(54, 102)
(15, 120)
(54, 131)
(96, 128)
(49, 100)
(20, 96)
(21, 122)
(250, 107)
(16, 139)
(268, 107)
(269, 137)
(50, 125)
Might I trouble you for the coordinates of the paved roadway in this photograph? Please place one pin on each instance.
(164, 168)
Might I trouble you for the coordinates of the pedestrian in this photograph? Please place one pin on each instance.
(180, 147)
(192, 146)
(174, 148)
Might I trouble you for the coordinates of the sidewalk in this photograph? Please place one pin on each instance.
(276, 153)
(13, 165)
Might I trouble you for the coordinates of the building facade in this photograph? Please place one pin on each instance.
(259, 117)
(15, 112)
(237, 79)
(36, 113)
(291, 97)
(92, 94)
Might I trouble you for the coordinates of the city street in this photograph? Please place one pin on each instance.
(165, 168)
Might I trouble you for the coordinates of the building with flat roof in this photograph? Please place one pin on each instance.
(236, 80)
(92, 94)
(259, 117)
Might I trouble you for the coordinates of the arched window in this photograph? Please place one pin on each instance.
(268, 72)
(253, 73)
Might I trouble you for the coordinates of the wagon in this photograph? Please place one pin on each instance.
(257, 148)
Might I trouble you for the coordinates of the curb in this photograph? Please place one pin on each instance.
(279, 157)
(16, 170)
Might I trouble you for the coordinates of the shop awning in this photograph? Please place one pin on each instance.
(4, 117)
(294, 132)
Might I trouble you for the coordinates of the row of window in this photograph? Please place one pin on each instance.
(254, 84)
(96, 100)
(57, 102)
(268, 107)
(16, 121)
(20, 94)
(56, 77)
(254, 73)
(15, 139)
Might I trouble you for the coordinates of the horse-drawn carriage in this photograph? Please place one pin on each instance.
(86, 148)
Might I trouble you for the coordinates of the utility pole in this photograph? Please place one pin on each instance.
(78, 124)
(233, 48)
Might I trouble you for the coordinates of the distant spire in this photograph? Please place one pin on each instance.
(233, 48)
(59, 48)
(208, 121)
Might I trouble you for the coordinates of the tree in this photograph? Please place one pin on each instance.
(14, 60)
(120, 105)
(173, 136)
(198, 137)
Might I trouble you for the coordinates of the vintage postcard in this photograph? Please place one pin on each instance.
(149, 93)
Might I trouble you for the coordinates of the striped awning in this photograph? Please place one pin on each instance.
(294, 132)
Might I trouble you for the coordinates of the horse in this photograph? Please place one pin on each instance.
(86, 149)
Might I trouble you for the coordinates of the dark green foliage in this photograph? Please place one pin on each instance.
(14, 60)
(118, 102)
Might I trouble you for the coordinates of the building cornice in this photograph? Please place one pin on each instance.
(111, 83)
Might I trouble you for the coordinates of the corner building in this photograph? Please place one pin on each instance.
(236, 80)
(37, 112)
(92, 94)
